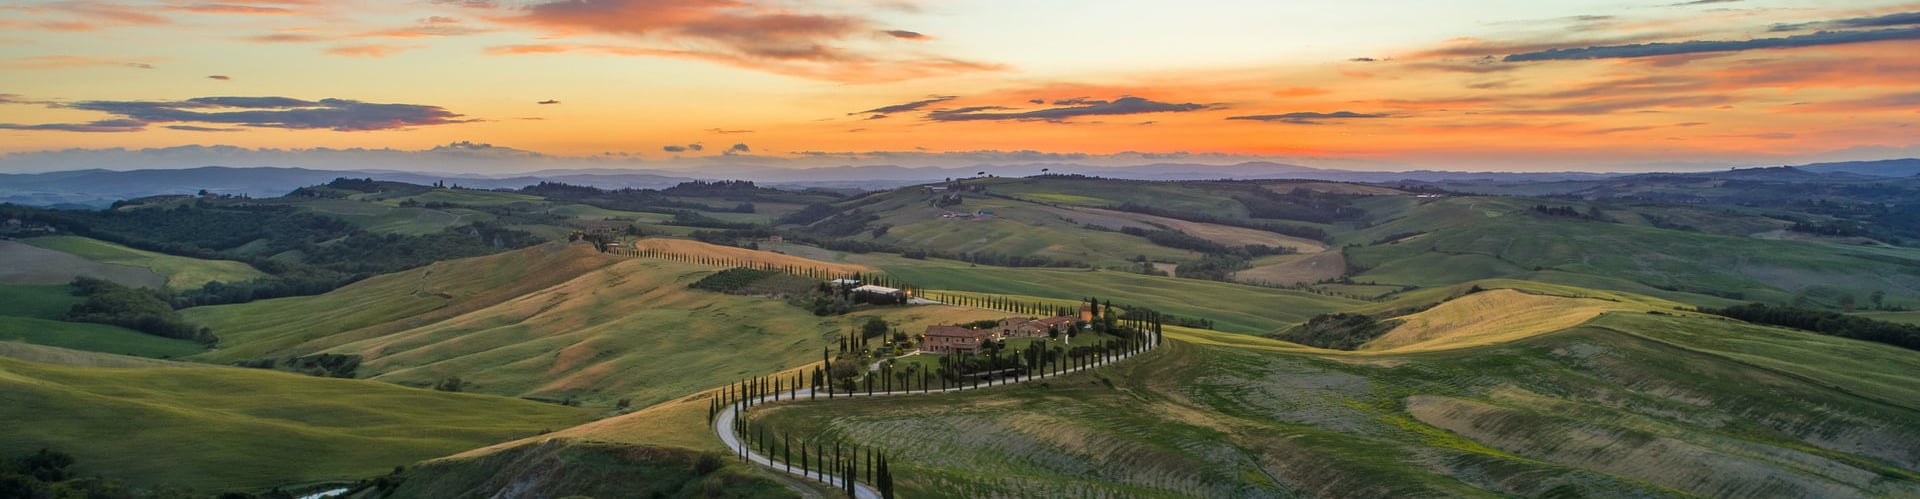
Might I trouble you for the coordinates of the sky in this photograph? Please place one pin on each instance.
(1511, 85)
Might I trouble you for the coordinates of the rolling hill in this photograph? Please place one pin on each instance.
(1626, 405)
(554, 322)
(180, 272)
(223, 428)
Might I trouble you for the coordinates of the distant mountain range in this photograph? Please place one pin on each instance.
(96, 188)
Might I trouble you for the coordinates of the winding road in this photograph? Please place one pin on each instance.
(723, 422)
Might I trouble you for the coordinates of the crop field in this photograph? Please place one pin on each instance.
(1188, 197)
(1223, 234)
(1014, 228)
(1545, 415)
(1477, 238)
(1489, 317)
(1233, 307)
(33, 265)
(181, 272)
(232, 428)
(1284, 270)
(467, 197)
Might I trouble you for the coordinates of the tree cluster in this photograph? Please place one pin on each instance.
(139, 309)
(1827, 323)
(1341, 331)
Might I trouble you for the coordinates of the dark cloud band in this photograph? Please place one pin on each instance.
(1704, 46)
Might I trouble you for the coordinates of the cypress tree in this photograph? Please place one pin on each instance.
(885, 481)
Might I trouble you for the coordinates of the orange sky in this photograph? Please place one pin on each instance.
(1465, 85)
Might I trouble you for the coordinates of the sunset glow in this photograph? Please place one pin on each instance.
(1500, 85)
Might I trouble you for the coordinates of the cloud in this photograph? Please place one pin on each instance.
(906, 35)
(102, 126)
(1307, 118)
(1077, 108)
(695, 147)
(1899, 19)
(1906, 101)
(270, 112)
(723, 131)
(89, 15)
(70, 61)
(737, 149)
(1593, 107)
(471, 4)
(191, 128)
(370, 50)
(219, 77)
(1037, 101)
(1363, 59)
(674, 148)
(773, 38)
(1700, 2)
(1705, 46)
(910, 106)
(234, 8)
(859, 70)
(547, 102)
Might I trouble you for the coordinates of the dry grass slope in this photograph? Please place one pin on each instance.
(1489, 317)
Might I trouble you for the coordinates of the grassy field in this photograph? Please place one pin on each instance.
(1476, 238)
(1909, 317)
(1636, 405)
(1286, 270)
(1233, 307)
(1016, 228)
(231, 428)
(94, 338)
(1489, 317)
(552, 322)
(31, 314)
(181, 272)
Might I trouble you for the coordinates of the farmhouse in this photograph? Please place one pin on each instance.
(876, 290)
(945, 340)
(1017, 327)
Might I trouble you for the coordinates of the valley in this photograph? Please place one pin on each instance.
(1471, 344)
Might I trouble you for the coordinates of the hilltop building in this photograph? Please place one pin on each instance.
(946, 340)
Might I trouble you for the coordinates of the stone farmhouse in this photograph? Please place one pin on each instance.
(946, 340)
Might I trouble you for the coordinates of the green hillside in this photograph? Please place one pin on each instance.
(1475, 238)
(31, 314)
(552, 322)
(181, 272)
(1633, 405)
(1232, 307)
(230, 428)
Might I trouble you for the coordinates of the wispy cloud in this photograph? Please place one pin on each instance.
(1075, 108)
(1309, 118)
(910, 106)
(255, 112)
(1707, 46)
(102, 126)
(771, 38)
